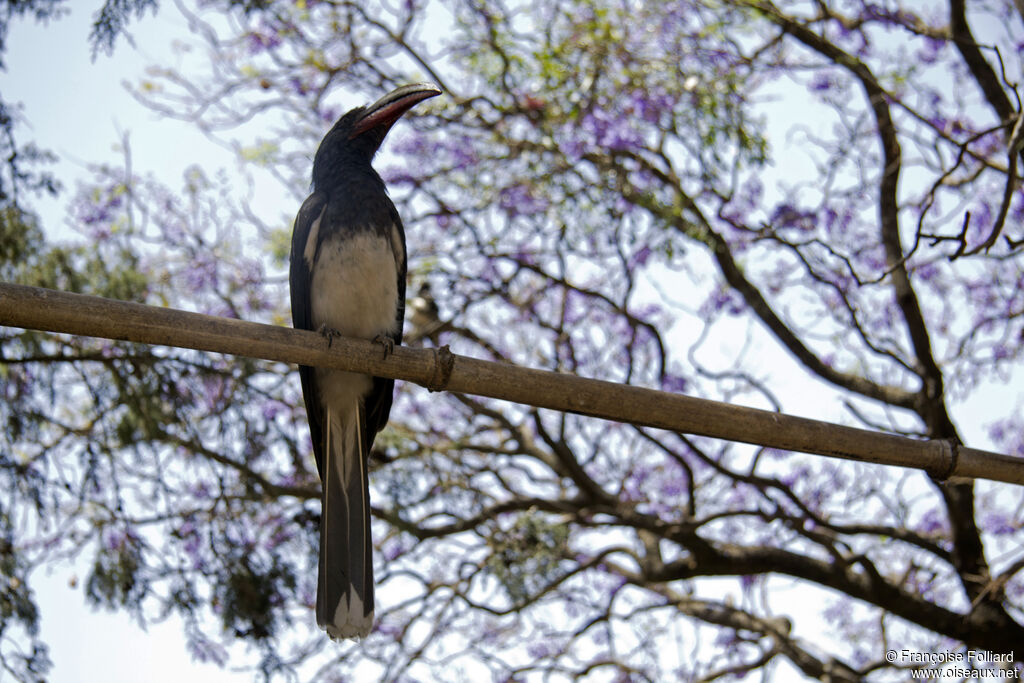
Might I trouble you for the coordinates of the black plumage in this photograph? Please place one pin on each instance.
(347, 277)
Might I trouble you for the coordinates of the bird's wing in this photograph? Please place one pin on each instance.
(402, 268)
(300, 277)
(378, 402)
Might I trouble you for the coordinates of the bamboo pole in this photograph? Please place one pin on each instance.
(55, 311)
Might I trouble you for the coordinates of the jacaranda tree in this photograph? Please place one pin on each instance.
(802, 206)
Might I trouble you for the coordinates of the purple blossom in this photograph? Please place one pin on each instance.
(1015, 589)
(611, 130)
(394, 550)
(999, 524)
(520, 200)
(299, 86)
(214, 388)
(282, 534)
(722, 300)
(673, 488)
(824, 81)
(874, 11)
(982, 217)
(388, 629)
(933, 523)
(838, 222)
(542, 649)
(573, 148)
(649, 106)
(98, 209)
(187, 528)
(193, 549)
(250, 272)
(525, 256)
(114, 541)
(329, 114)
(727, 638)
(205, 650)
(424, 156)
(640, 257)
(1009, 435)
(750, 193)
(927, 272)
(397, 175)
(743, 204)
(789, 216)
(266, 38)
(675, 383)
(202, 272)
(932, 50)
(635, 486)
(271, 409)
(837, 613)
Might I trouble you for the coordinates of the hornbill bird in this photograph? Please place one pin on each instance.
(347, 277)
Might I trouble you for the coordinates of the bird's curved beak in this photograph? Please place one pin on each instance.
(383, 113)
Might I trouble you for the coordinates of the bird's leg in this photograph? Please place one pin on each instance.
(387, 342)
(330, 333)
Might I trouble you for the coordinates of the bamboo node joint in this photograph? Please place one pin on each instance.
(952, 450)
(444, 363)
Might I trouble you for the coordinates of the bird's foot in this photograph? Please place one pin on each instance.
(330, 333)
(386, 342)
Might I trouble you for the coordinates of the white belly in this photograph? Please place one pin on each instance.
(354, 290)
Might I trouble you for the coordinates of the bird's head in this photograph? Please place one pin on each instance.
(357, 135)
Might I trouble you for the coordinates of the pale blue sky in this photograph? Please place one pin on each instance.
(78, 108)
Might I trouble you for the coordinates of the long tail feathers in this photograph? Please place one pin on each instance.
(344, 601)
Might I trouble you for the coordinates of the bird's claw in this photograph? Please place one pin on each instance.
(330, 333)
(386, 342)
